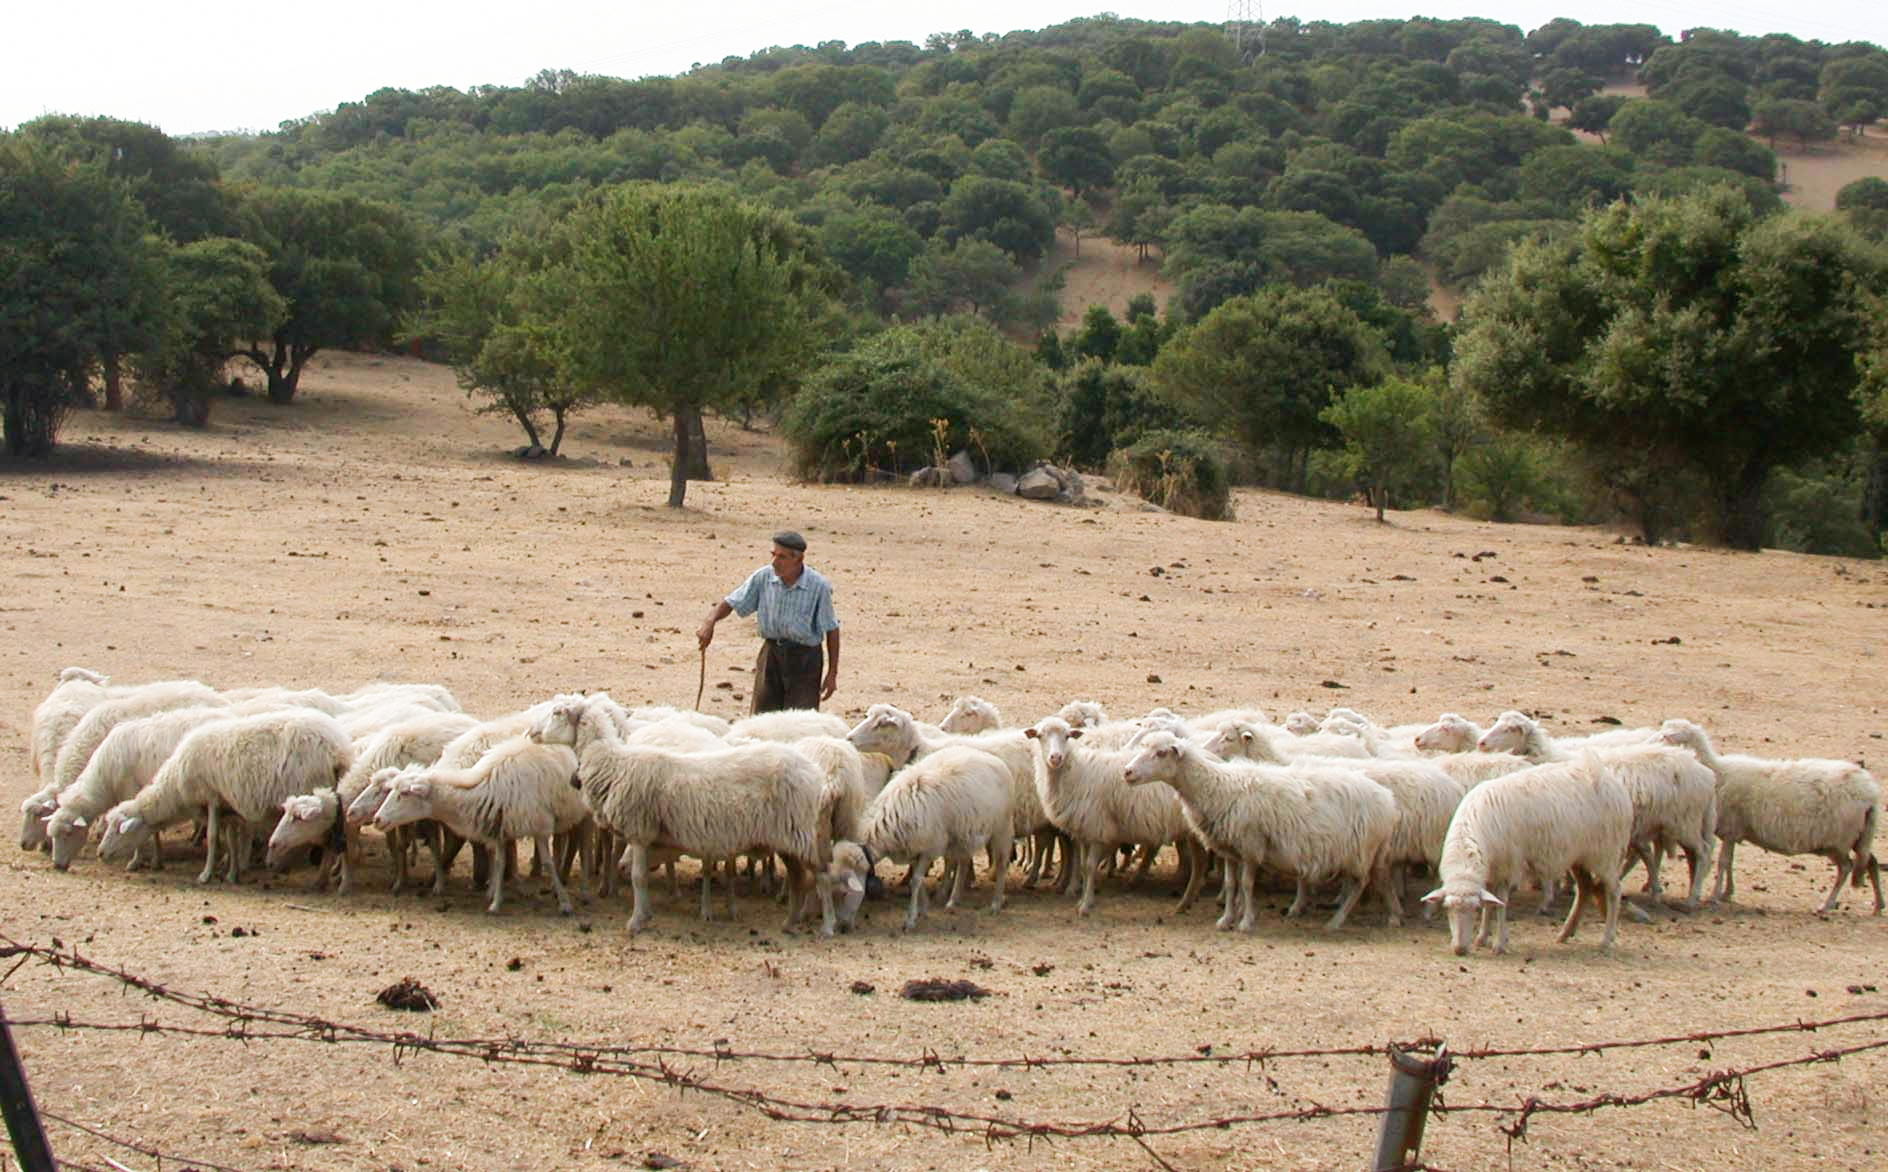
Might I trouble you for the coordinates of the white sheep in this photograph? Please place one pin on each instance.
(1425, 795)
(247, 764)
(124, 763)
(754, 796)
(1451, 733)
(520, 789)
(1673, 798)
(316, 819)
(789, 724)
(971, 714)
(950, 804)
(1085, 795)
(1537, 824)
(1314, 822)
(416, 740)
(78, 691)
(894, 732)
(1793, 806)
(91, 730)
(661, 713)
(436, 697)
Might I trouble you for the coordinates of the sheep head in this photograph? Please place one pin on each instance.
(1463, 903)
(409, 799)
(1509, 733)
(1159, 759)
(67, 832)
(125, 832)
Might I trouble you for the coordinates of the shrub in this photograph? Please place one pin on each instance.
(1817, 510)
(894, 403)
(1181, 471)
(1102, 407)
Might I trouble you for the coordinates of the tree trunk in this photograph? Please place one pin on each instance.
(697, 442)
(1740, 507)
(557, 436)
(1875, 493)
(530, 429)
(114, 383)
(678, 460)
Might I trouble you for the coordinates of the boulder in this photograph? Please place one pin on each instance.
(1039, 484)
(962, 469)
(1003, 482)
(930, 477)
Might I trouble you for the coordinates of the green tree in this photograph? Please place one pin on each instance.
(1802, 120)
(1708, 338)
(1594, 114)
(680, 299)
(971, 275)
(348, 268)
(500, 349)
(81, 278)
(1262, 368)
(1075, 157)
(1855, 89)
(219, 297)
(1655, 130)
(1387, 431)
(1006, 213)
(1099, 335)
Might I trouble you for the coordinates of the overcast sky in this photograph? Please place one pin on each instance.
(204, 65)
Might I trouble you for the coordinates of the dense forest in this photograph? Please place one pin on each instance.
(887, 209)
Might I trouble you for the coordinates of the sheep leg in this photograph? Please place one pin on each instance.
(1300, 900)
(1196, 876)
(1726, 885)
(707, 889)
(1582, 891)
(1093, 854)
(1549, 888)
(209, 858)
(1249, 918)
(1874, 877)
(1002, 847)
(1610, 895)
(1354, 891)
(797, 891)
(919, 866)
(546, 849)
(1501, 922)
(957, 874)
(1228, 892)
(502, 856)
(1698, 858)
(638, 855)
(727, 889)
(396, 853)
(1392, 888)
(1841, 860)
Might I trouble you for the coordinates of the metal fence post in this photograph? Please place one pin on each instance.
(16, 1103)
(1413, 1082)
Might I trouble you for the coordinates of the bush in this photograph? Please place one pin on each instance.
(1181, 471)
(1817, 510)
(1102, 407)
(913, 395)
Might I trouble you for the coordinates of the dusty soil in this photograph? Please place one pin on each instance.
(376, 529)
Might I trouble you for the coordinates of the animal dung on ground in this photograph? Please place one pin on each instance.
(937, 989)
(409, 994)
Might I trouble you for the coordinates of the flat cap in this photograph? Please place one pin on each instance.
(788, 539)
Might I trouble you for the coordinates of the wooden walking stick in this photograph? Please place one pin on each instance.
(703, 686)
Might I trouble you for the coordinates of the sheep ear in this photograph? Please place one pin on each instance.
(131, 825)
(1434, 896)
(1075, 734)
(1490, 897)
(855, 884)
(79, 824)
(1031, 733)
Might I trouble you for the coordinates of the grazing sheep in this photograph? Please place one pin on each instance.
(417, 740)
(1517, 732)
(247, 764)
(971, 714)
(754, 796)
(1795, 806)
(78, 691)
(125, 762)
(1084, 795)
(787, 724)
(315, 819)
(950, 804)
(1426, 798)
(91, 730)
(1310, 821)
(1536, 824)
(380, 693)
(520, 789)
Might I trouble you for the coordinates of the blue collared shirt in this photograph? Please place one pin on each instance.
(801, 613)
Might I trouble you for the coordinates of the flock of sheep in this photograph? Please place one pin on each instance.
(1484, 811)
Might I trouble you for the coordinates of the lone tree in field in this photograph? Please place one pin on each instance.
(347, 268)
(1687, 331)
(680, 299)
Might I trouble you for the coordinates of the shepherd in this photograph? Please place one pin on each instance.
(795, 606)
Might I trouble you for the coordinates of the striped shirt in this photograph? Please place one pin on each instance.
(801, 613)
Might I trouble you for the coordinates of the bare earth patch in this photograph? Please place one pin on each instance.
(377, 530)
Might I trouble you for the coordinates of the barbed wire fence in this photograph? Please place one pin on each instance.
(679, 1068)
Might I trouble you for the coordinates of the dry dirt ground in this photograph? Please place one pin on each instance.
(377, 530)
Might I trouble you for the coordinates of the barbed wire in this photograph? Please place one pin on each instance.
(184, 1162)
(1723, 1090)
